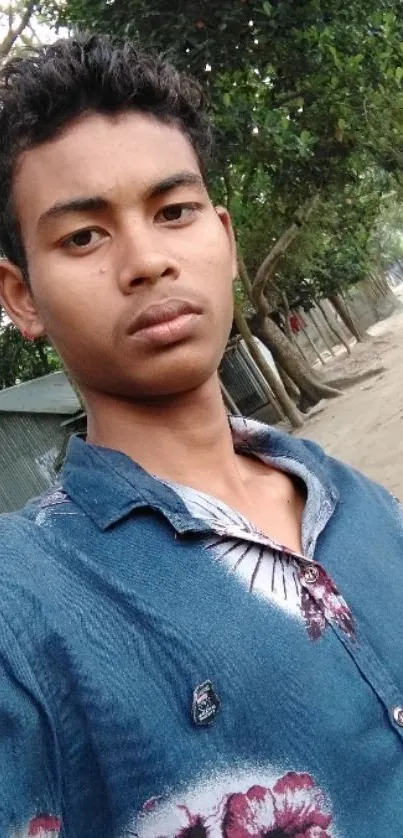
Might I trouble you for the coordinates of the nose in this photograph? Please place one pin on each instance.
(145, 260)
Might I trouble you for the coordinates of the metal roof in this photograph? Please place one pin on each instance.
(51, 393)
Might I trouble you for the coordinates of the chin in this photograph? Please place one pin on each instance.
(178, 380)
(176, 372)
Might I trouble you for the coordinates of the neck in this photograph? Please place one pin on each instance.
(186, 439)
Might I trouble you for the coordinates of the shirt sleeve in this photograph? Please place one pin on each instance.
(29, 799)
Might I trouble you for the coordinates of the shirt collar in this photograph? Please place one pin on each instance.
(108, 485)
(302, 458)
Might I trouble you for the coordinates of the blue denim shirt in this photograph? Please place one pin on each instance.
(148, 690)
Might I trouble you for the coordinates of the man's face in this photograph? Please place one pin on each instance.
(130, 265)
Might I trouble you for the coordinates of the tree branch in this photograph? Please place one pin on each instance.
(242, 269)
(229, 190)
(244, 275)
(281, 99)
(269, 264)
(13, 34)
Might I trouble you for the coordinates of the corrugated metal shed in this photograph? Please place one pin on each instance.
(51, 393)
(32, 435)
(29, 446)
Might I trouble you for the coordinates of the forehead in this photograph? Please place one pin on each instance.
(100, 155)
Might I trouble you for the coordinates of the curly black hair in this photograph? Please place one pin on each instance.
(44, 89)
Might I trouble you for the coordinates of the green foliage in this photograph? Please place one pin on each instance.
(387, 234)
(21, 360)
(306, 96)
(317, 78)
(338, 248)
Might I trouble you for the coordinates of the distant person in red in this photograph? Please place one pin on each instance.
(296, 323)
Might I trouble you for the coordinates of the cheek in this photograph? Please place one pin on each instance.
(213, 260)
(68, 299)
(212, 243)
(67, 316)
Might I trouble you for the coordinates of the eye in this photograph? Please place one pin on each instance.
(178, 213)
(83, 239)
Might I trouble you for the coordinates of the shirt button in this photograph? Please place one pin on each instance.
(398, 715)
(310, 574)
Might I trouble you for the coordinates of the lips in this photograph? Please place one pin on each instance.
(163, 312)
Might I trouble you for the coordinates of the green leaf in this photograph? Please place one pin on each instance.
(332, 72)
(336, 58)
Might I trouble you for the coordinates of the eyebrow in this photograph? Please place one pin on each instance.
(97, 203)
(76, 205)
(173, 182)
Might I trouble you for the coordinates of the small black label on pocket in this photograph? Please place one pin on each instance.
(206, 704)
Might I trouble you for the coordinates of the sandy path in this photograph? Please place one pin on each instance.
(364, 427)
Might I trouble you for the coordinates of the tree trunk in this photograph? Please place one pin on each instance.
(287, 315)
(372, 294)
(284, 353)
(382, 288)
(289, 385)
(313, 345)
(301, 350)
(379, 284)
(343, 311)
(322, 334)
(273, 386)
(316, 317)
(333, 326)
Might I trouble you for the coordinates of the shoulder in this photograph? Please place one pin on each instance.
(32, 586)
(15, 526)
(354, 488)
(28, 548)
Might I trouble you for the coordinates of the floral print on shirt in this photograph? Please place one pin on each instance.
(269, 569)
(290, 805)
(43, 826)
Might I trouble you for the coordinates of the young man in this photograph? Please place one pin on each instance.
(201, 629)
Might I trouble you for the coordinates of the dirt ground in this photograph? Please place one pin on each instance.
(364, 426)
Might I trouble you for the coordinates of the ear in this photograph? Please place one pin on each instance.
(17, 299)
(225, 219)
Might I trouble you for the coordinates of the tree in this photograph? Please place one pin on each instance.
(24, 24)
(307, 98)
(387, 233)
